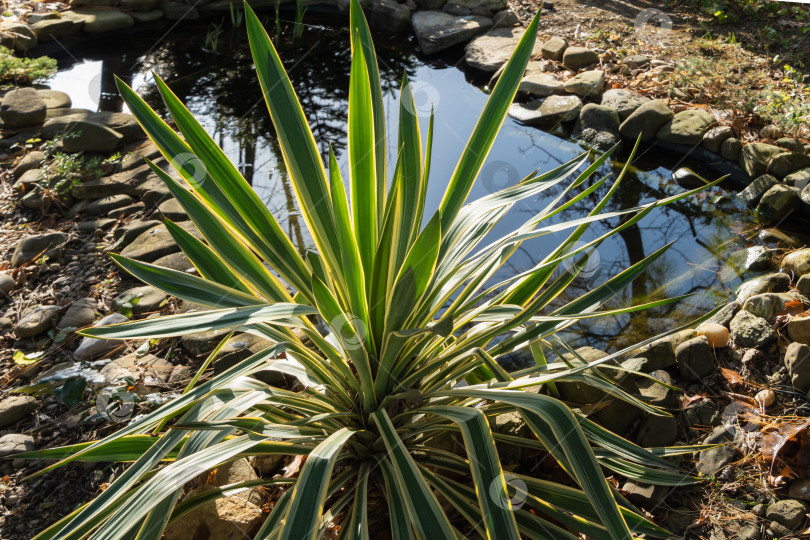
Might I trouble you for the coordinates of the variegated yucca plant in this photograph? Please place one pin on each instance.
(389, 325)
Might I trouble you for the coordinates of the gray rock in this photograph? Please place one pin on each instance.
(754, 157)
(490, 51)
(155, 243)
(504, 18)
(638, 363)
(767, 305)
(84, 136)
(31, 180)
(776, 282)
(105, 204)
(7, 284)
(588, 84)
(22, 107)
(797, 262)
(138, 5)
(142, 17)
(24, 38)
(790, 513)
(799, 179)
(80, 314)
(148, 371)
(803, 285)
(598, 126)
(436, 30)
(750, 331)
(33, 247)
(701, 413)
(389, 16)
(688, 178)
(660, 354)
(656, 394)
(625, 102)
(126, 211)
(646, 120)
(724, 316)
(686, 127)
(579, 57)
(778, 530)
(731, 149)
(54, 99)
(16, 443)
(743, 261)
(716, 136)
(51, 29)
(133, 230)
(798, 328)
(36, 320)
(711, 461)
(547, 111)
(176, 11)
(656, 431)
(31, 160)
(95, 349)
(203, 342)
(541, 84)
(122, 123)
(695, 359)
(644, 495)
(140, 300)
(554, 48)
(778, 202)
(797, 362)
(173, 210)
(238, 348)
(786, 163)
(15, 408)
(100, 20)
(756, 189)
(770, 131)
(791, 144)
(176, 261)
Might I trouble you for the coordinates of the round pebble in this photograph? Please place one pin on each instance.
(716, 334)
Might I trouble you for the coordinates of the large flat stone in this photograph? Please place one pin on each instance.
(436, 30)
(490, 51)
(550, 110)
(156, 243)
(100, 20)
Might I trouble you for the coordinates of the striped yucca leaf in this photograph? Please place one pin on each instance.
(379, 324)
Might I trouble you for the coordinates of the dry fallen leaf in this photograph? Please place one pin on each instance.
(733, 378)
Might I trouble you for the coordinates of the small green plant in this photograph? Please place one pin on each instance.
(22, 71)
(392, 328)
(300, 10)
(236, 16)
(213, 35)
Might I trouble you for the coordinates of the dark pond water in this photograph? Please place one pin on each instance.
(219, 87)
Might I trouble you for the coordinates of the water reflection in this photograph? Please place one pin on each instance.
(222, 91)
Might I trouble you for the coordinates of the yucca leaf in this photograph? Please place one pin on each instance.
(397, 508)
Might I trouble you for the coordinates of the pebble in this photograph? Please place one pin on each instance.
(716, 334)
(15, 408)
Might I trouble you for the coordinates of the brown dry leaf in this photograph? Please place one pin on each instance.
(688, 400)
(733, 378)
(794, 307)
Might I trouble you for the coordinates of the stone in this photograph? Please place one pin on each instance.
(176, 11)
(389, 16)
(803, 285)
(636, 61)
(173, 210)
(133, 229)
(752, 259)
(711, 461)
(799, 179)
(778, 530)
(38, 245)
(15, 443)
(776, 282)
(94, 348)
(15, 408)
(455, 9)
(156, 242)
(701, 413)
(80, 314)
(122, 123)
(778, 202)
(657, 394)
(798, 328)
(714, 138)
(202, 343)
(436, 31)
(767, 305)
(625, 102)
(646, 120)
(786, 163)
(31, 160)
(30, 181)
(541, 84)
(490, 51)
(789, 513)
(598, 126)
(37, 320)
(105, 204)
(644, 495)
(756, 189)
(83, 136)
(140, 300)
(141, 17)
(547, 111)
(134, 158)
(554, 48)
(138, 5)
(24, 38)
(731, 149)
(660, 354)
(51, 29)
(126, 211)
(224, 518)
(505, 18)
(579, 57)
(770, 131)
(695, 359)
(716, 334)
(147, 371)
(587, 84)
(22, 107)
(637, 364)
(797, 362)
(724, 316)
(791, 144)
(657, 431)
(686, 127)
(54, 99)
(238, 348)
(797, 262)
(176, 261)
(7, 284)
(799, 489)
(750, 331)
(754, 157)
